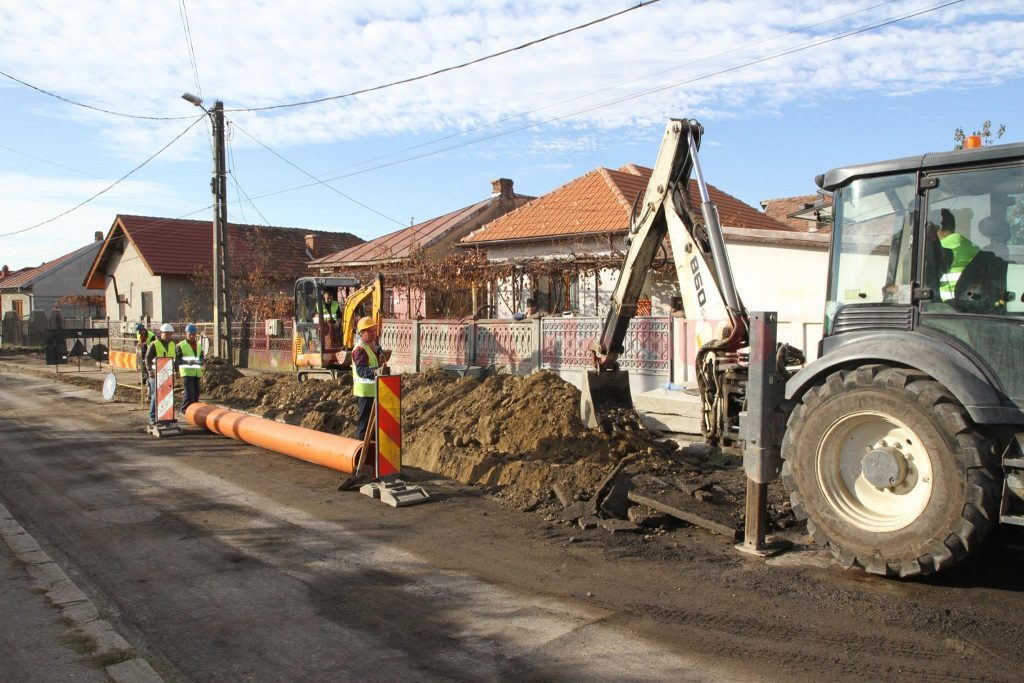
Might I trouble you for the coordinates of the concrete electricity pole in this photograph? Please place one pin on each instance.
(221, 272)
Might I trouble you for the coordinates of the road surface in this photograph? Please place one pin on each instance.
(218, 561)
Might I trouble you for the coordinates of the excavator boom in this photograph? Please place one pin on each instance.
(710, 301)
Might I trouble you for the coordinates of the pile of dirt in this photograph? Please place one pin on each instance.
(216, 373)
(521, 435)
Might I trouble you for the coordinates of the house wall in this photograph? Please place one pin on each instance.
(7, 300)
(64, 280)
(789, 280)
(173, 291)
(132, 279)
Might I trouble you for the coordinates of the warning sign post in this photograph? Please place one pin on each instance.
(387, 447)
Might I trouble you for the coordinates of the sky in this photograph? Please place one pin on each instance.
(785, 90)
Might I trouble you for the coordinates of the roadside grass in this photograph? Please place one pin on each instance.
(79, 641)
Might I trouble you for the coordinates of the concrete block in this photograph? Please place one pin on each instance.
(672, 424)
(588, 522)
(65, 593)
(133, 671)
(620, 526)
(106, 637)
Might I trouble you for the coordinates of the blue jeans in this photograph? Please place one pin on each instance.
(152, 400)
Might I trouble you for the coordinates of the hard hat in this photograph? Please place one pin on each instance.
(191, 329)
(365, 323)
(139, 327)
(167, 327)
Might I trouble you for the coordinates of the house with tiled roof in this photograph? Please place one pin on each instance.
(805, 213)
(148, 267)
(429, 240)
(42, 288)
(564, 248)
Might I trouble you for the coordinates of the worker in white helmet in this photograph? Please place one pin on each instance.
(162, 347)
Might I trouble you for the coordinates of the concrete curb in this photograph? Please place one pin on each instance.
(74, 605)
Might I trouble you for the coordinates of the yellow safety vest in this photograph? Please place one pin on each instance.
(964, 252)
(191, 361)
(162, 351)
(332, 312)
(365, 388)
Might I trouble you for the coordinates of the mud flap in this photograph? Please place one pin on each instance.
(603, 391)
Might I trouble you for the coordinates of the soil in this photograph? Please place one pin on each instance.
(520, 436)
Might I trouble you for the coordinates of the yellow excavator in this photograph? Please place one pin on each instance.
(324, 337)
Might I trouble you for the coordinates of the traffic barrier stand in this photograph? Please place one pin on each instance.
(165, 425)
(383, 442)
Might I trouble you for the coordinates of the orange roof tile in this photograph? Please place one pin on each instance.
(781, 209)
(601, 201)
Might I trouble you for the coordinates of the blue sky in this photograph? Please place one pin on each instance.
(773, 120)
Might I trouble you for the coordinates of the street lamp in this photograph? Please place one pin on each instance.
(221, 298)
(189, 97)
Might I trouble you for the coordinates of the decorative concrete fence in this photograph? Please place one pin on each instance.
(657, 350)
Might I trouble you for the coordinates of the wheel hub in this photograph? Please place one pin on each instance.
(884, 467)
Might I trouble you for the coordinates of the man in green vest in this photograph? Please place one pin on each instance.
(162, 347)
(963, 251)
(330, 312)
(189, 359)
(367, 362)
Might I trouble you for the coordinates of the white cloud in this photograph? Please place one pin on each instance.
(28, 200)
(132, 57)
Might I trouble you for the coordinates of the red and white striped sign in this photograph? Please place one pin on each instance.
(164, 389)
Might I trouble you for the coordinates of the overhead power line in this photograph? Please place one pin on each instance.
(463, 65)
(191, 49)
(108, 187)
(318, 181)
(89, 106)
(782, 53)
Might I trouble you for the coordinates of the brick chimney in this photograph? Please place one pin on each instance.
(502, 187)
(5, 272)
(98, 236)
(311, 246)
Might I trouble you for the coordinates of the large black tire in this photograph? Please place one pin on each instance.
(941, 511)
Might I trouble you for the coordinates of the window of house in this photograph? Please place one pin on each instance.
(18, 307)
(147, 305)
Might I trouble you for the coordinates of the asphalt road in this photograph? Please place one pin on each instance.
(217, 561)
(212, 580)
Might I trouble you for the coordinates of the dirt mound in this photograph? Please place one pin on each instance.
(216, 373)
(521, 435)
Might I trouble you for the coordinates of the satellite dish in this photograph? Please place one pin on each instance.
(109, 387)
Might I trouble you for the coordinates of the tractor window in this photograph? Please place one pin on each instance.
(974, 242)
(871, 242)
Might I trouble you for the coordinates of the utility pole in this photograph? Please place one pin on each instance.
(221, 271)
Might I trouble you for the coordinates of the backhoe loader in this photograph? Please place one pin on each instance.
(901, 444)
(321, 347)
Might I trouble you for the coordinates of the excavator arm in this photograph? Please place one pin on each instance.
(374, 291)
(710, 301)
(698, 250)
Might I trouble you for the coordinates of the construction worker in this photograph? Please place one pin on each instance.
(963, 251)
(330, 312)
(143, 338)
(162, 347)
(367, 363)
(189, 359)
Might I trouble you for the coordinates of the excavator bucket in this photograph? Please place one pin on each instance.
(602, 392)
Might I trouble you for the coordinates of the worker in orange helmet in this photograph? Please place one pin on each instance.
(368, 362)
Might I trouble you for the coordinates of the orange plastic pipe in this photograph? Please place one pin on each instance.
(336, 452)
